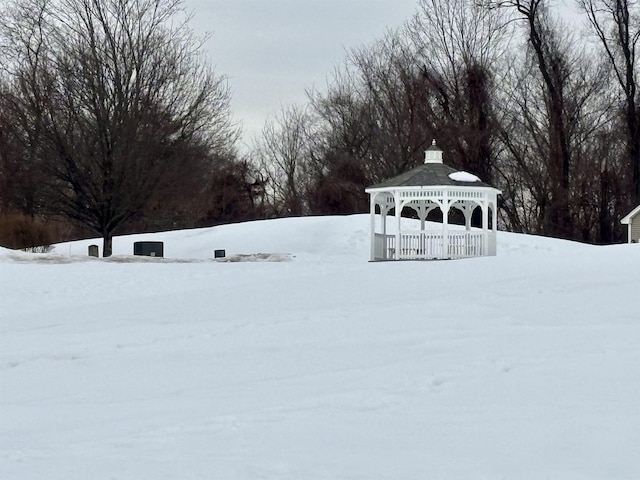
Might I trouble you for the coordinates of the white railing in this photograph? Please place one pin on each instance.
(384, 246)
(416, 245)
(466, 244)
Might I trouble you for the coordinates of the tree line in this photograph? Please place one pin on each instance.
(112, 121)
(542, 109)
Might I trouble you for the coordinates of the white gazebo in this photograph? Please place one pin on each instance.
(430, 187)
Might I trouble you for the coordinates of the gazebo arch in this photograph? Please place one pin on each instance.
(431, 186)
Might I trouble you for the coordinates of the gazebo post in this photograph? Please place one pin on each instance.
(422, 213)
(445, 224)
(468, 213)
(494, 225)
(398, 212)
(485, 227)
(385, 247)
(384, 219)
(372, 207)
(494, 217)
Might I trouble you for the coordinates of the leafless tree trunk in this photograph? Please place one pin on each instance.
(462, 45)
(431, 79)
(616, 23)
(394, 105)
(553, 66)
(282, 154)
(554, 111)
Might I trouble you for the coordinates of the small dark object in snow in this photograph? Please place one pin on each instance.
(149, 249)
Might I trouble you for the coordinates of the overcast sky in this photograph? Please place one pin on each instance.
(273, 50)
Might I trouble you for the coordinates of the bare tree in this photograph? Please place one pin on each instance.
(616, 24)
(524, 174)
(369, 124)
(398, 104)
(283, 150)
(555, 112)
(430, 79)
(391, 98)
(345, 127)
(553, 64)
(461, 46)
(115, 98)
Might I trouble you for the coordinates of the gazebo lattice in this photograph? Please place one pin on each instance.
(432, 186)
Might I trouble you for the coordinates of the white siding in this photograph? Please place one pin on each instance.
(634, 225)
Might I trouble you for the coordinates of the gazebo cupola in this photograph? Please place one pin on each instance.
(433, 154)
(427, 188)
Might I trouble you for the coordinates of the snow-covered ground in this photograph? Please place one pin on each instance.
(313, 363)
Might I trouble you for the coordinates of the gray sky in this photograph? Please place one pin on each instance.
(273, 50)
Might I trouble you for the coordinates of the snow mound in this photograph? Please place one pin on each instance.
(522, 365)
(325, 236)
(343, 238)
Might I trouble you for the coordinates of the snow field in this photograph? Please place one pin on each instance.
(323, 366)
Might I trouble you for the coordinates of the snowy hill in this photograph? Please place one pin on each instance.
(317, 364)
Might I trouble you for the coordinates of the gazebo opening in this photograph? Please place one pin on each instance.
(432, 212)
(435, 215)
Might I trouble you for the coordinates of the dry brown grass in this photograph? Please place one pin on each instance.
(19, 231)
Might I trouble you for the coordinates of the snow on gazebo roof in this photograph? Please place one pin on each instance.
(432, 173)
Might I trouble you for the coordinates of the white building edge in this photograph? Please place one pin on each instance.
(632, 220)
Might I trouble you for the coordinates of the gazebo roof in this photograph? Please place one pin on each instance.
(428, 175)
(433, 173)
